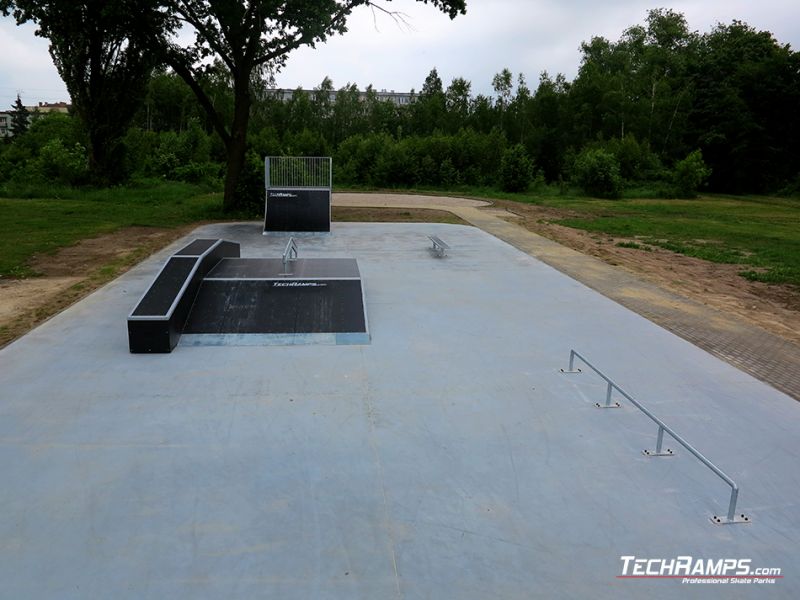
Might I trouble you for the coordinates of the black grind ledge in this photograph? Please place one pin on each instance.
(155, 325)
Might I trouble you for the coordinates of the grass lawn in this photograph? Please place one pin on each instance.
(761, 233)
(36, 226)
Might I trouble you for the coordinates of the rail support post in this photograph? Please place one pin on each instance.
(659, 445)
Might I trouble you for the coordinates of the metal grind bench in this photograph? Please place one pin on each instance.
(439, 247)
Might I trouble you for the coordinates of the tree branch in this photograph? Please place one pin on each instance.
(185, 72)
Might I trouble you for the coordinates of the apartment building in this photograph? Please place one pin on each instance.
(6, 116)
(398, 98)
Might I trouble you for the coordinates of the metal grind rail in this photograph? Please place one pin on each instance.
(663, 427)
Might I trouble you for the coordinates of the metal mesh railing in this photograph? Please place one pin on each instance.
(305, 172)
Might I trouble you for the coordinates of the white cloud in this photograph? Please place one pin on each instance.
(527, 36)
(26, 67)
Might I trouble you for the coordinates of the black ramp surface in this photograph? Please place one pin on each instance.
(196, 248)
(273, 268)
(162, 293)
(252, 306)
(157, 321)
(298, 210)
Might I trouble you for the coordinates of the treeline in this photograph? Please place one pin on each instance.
(662, 106)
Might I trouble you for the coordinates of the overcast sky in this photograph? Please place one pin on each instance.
(527, 36)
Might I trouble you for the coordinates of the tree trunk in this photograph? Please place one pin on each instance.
(106, 154)
(237, 145)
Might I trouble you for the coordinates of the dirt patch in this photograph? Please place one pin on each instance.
(392, 200)
(73, 272)
(17, 296)
(775, 308)
(89, 254)
(394, 215)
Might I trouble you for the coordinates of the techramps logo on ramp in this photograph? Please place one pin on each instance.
(690, 570)
(296, 284)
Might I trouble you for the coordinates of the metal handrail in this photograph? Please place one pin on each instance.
(289, 254)
(663, 427)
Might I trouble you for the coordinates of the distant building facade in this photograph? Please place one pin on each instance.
(7, 116)
(46, 107)
(5, 124)
(397, 98)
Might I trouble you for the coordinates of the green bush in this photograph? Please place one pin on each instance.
(515, 169)
(58, 163)
(689, 174)
(597, 172)
(637, 162)
(394, 165)
(180, 156)
(193, 172)
(448, 174)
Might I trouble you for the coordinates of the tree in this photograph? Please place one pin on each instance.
(382, 115)
(322, 107)
(248, 36)
(428, 112)
(20, 118)
(168, 105)
(549, 138)
(515, 169)
(519, 108)
(457, 103)
(503, 85)
(348, 112)
(103, 52)
(638, 84)
(744, 117)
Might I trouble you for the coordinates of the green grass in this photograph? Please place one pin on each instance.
(34, 225)
(634, 245)
(762, 233)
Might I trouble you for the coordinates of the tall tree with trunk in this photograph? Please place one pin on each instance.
(103, 52)
(503, 85)
(251, 35)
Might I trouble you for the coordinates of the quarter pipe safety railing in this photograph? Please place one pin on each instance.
(731, 517)
(298, 192)
(298, 172)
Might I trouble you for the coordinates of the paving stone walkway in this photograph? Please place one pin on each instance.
(762, 354)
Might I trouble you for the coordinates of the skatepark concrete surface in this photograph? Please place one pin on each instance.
(448, 458)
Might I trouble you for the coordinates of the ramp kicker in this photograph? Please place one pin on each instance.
(206, 288)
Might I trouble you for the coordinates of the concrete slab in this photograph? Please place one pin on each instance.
(448, 459)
